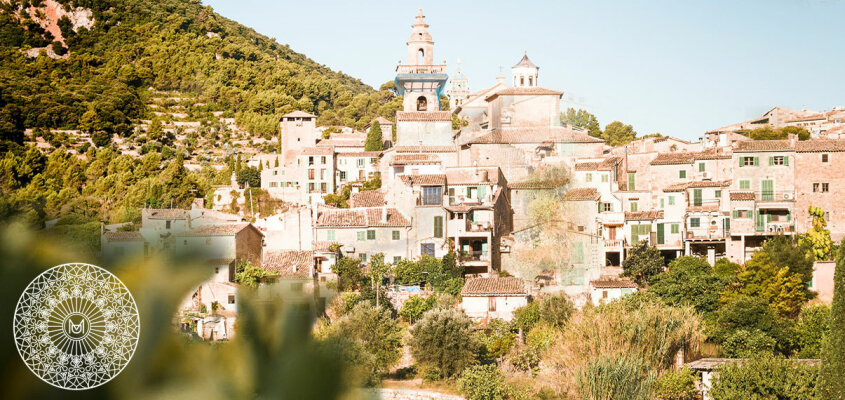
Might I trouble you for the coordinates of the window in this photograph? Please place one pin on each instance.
(363, 257)
(396, 259)
(395, 235)
(589, 177)
(748, 161)
(608, 207)
(231, 299)
(310, 174)
(696, 197)
(778, 160)
(662, 205)
(167, 225)
(361, 235)
(491, 304)
(342, 176)
(825, 187)
(742, 214)
(323, 160)
(745, 184)
(825, 157)
(432, 195)
(371, 234)
(322, 174)
(311, 187)
(310, 160)
(577, 255)
(360, 163)
(438, 227)
(694, 222)
(330, 234)
(632, 182)
(634, 206)
(718, 194)
(323, 187)
(682, 174)
(701, 167)
(427, 249)
(604, 177)
(675, 228)
(671, 200)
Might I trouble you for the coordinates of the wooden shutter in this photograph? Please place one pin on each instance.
(438, 226)
(661, 234)
(696, 201)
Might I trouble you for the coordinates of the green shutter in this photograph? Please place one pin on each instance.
(361, 235)
(578, 253)
(771, 161)
(632, 182)
(371, 234)
(788, 215)
(786, 160)
(438, 226)
(767, 189)
(736, 214)
(741, 161)
(676, 228)
(660, 234)
(600, 207)
(634, 206)
(756, 161)
(661, 203)
(481, 192)
(696, 201)
(330, 234)
(469, 192)
(700, 167)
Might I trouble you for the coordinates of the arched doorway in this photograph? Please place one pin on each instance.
(422, 104)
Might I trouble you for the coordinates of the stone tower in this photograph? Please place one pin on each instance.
(420, 81)
(458, 87)
(525, 73)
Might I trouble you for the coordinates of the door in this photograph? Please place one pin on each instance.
(767, 190)
(611, 233)
(660, 234)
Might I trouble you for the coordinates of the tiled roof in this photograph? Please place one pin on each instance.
(524, 91)
(425, 149)
(323, 246)
(578, 194)
(367, 198)
(217, 230)
(381, 121)
(341, 143)
(471, 175)
(820, 145)
(681, 186)
(426, 179)
(494, 286)
(742, 195)
(358, 154)
(318, 151)
(289, 263)
(607, 282)
(164, 213)
(363, 217)
(525, 62)
(643, 215)
(551, 134)
(764, 145)
(423, 116)
(676, 187)
(414, 159)
(532, 185)
(603, 165)
(703, 208)
(123, 236)
(298, 114)
(687, 157)
(812, 117)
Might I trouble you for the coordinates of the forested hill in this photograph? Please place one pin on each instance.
(172, 45)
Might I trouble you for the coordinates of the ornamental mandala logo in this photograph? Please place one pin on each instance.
(76, 326)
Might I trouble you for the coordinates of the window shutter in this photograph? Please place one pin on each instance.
(469, 192)
(661, 234)
(736, 214)
(786, 160)
(788, 216)
(481, 192)
(438, 226)
(600, 207)
(756, 161)
(741, 161)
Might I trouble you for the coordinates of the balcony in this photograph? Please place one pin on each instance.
(479, 226)
(772, 196)
(612, 244)
(421, 69)
(471, 256)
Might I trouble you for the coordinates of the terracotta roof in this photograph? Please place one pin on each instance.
(676, 187)
(532, 185)
(811, 117)
(524, 91)
(764, 145)
(164, 213)
(323, 246)
(381, 121)
(123, 236)
(289, 263)
(703, 208)
(317, 151)
(341, 143)
(414, 159)
(578, 194)
(358, 154)
(362, 217)
(687, 157)
(820, 145)
(742, 195)
(218, 230)
(643, 215)
(425, 149)
(471, 175)
(298, 114)
(612, 282)
(426, 179)
(494, 287)
(367, 198)
(537, 134)
(700, 184)
(423, 116)
(603, 165)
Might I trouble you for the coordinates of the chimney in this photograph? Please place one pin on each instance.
(384, 215)
(792, 138)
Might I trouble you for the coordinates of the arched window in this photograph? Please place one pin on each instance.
(530, 81)
(422, 104)
(521, 81)
(420, 56)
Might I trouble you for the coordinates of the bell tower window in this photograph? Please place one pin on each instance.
(521, 81)
(530, 81)
(422, 103)
(420, 56)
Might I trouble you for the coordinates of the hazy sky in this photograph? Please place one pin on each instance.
(674, 67)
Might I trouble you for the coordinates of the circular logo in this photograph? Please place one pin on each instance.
(76, 326)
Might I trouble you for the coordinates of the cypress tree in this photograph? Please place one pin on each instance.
(832, 380)
(374, 142)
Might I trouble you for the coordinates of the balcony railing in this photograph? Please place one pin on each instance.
(420, 69)
(775, 196)
(475, 256)
(616, 243)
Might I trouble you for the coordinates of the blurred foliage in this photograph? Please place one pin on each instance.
(832, 381)
(769, 133)
(677, 384)
(443, 342)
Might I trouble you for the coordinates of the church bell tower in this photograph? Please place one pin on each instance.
(420, 81)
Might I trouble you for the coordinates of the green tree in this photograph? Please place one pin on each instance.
(784, 290)
(101, 138)
(496, 341)
(678, 384)
(443, 342)
(483, 382)
(374, 139)
(582, 119)
(248, 274)
(748, 313)
(348, 272)
(790, 252)
(378, 269)
(831, 384)
(818, 236)
(249, 176)
(811, 330)
(743, 344)
(415, 307)
(555, 310)
(617, 134)
(525, 317)
(642, 263)
(376, 332)
(689, 281)
(766, 378)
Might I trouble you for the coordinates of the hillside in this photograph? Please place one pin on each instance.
(104, 77)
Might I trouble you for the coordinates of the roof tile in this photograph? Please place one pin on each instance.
(494, 286)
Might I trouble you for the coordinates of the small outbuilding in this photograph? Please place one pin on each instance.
(491, 298)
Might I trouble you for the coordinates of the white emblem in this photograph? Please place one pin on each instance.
(76, 326)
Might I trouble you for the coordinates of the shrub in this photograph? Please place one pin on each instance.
(744, 343)
(496, 341)
(525, 317)
(556, 310)
(483, 382)
(375, 332)
(676, 385)
(415, 307)
(443, 339)
(810, 330)
(765, 378)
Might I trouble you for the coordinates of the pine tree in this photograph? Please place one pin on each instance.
(832, 380)
(374, 141)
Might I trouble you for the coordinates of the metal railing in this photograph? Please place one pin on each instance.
(421, 69)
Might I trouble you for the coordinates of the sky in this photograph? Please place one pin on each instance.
(675, 67)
